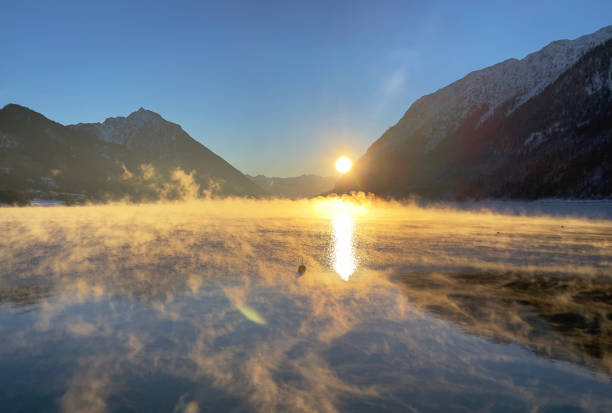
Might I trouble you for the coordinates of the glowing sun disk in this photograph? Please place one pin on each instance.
(343, 164)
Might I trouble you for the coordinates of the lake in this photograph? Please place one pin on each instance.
(198, 306)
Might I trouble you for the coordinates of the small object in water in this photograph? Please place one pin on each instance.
(301, 268)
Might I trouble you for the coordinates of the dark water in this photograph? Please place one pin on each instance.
(197, 307)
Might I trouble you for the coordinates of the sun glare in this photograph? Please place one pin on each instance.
(343, 164)
(343, 259)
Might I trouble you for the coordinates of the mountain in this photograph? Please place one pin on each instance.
(295, 187)
(141, 156)
(530, 128)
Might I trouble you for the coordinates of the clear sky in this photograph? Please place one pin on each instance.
(274, 87)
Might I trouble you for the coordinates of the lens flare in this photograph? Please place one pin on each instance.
(251, 315)
(343, 164)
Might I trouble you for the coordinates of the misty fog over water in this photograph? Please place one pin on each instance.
(196, 306)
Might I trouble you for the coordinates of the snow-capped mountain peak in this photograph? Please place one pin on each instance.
(534, 127)
(143, 115)
(140, 127)
(508, 84)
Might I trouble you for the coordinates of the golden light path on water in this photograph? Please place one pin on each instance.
(343, 214)
(344, 261)
(196, 305)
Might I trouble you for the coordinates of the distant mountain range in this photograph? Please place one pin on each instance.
(296, 187)
(530, 128)
(140, 157)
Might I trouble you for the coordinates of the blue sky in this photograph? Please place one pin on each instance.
(274, 87)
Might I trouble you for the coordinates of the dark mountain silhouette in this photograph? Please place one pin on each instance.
(141, 157)
(296, 187)
(530, 128)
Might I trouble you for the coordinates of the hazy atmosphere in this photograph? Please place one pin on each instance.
(198, 302)
(331, 207)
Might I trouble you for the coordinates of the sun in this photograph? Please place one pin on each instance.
(343, 164)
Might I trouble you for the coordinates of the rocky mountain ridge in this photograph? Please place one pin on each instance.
(138, 157)
(530, 128)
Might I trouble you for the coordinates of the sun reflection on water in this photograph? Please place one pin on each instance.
(342, 213)
(196, 302)
(343, 259)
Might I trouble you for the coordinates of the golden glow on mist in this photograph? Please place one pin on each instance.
(436, 236)
(332, 206)
(342, 213)
(343, 164)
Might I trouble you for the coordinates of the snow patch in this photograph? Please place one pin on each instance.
(7, 141)
(512, 83)
(140, 127)
(534, 139)
(583, 123)
(539, 137)
(609, 81)
(595, 84)
(48, 181)
(46, 202)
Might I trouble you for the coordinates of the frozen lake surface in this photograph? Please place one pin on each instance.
(196, 307)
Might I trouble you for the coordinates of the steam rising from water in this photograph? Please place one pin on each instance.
(237, 234)
(400, 305)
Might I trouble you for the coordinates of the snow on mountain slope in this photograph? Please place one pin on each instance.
(136, 156)
(129, 130)
(508, 84)
(530, 128)
(7, 141)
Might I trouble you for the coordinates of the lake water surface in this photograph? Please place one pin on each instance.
(197, 307)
